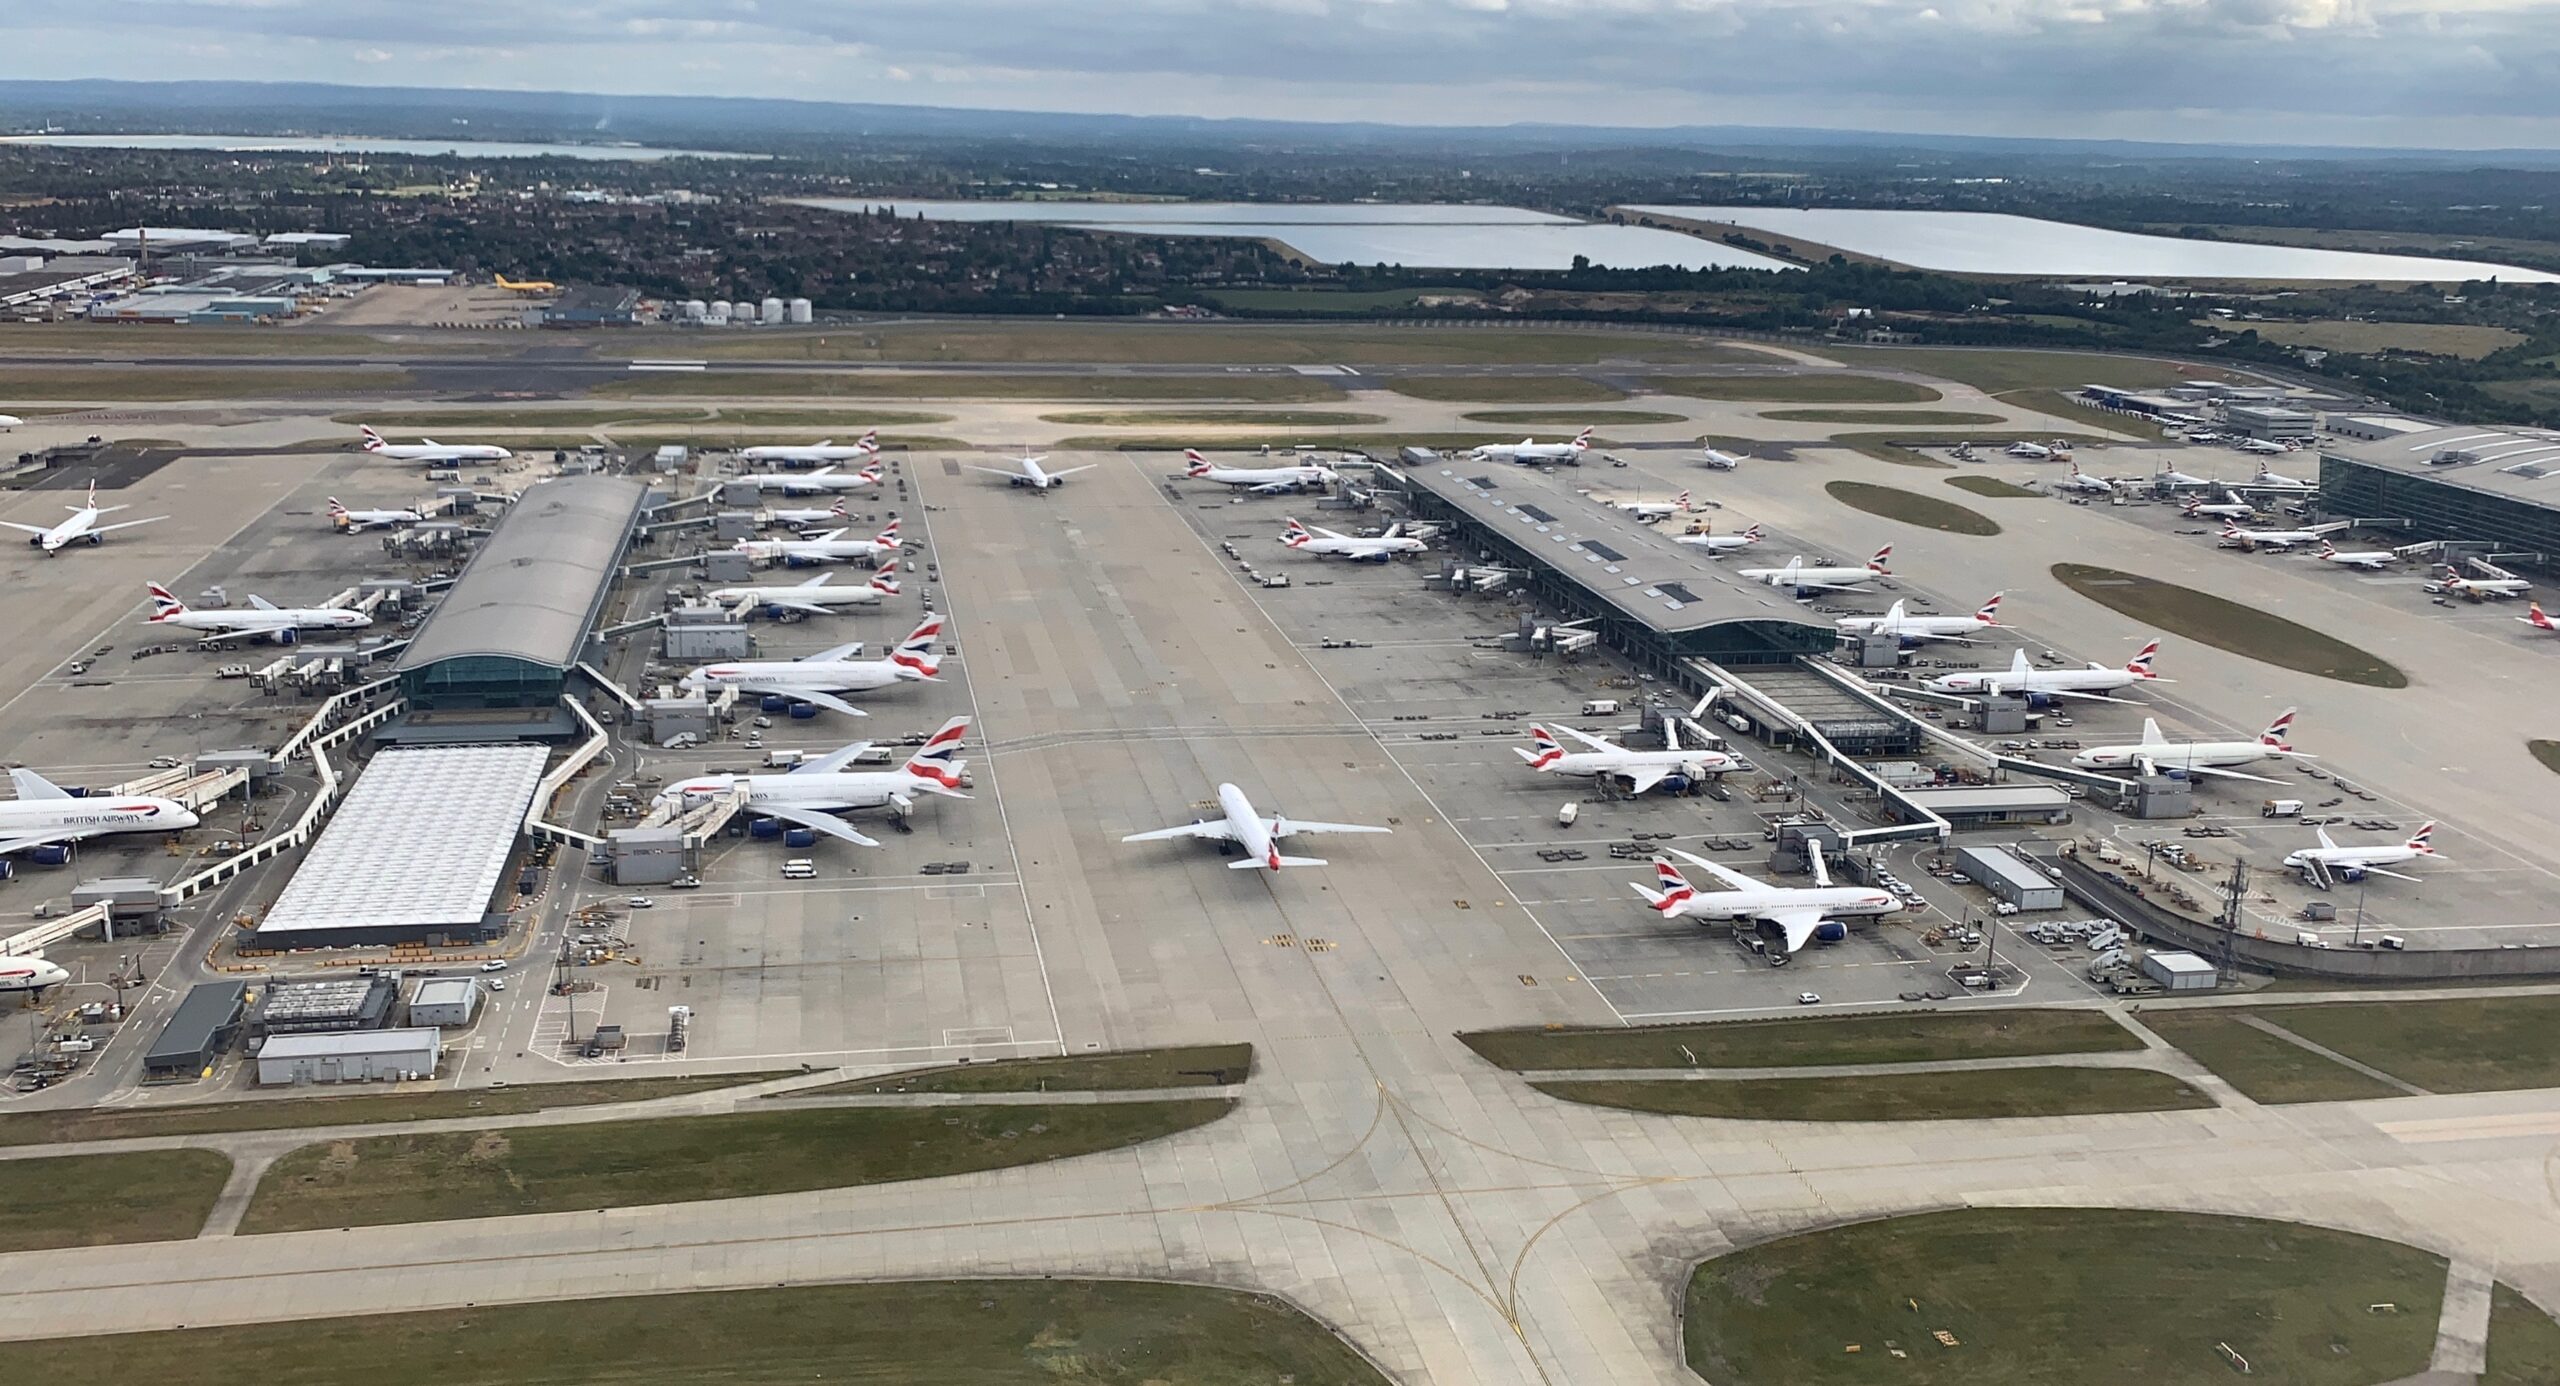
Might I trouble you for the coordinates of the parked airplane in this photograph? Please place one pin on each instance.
(353, 520)
(1720, 461)
(260, 618)
(2484, 589)
(10, 421)
(2264, 448)
(820, 677)
(829, 547)
(82, 527)
(1920, 630)
(44, 813)
(2539, 619)
(1325, 543)
(525, 286)
(30, 974)
(2083, 482)
(2354, 863)
(823, 450)
(2158, 755)
(1720, 543)
(2203, 435)
(824, 481)
(1027, 471)
(2371, 560)
(2267, 478)
(1649, 512)
(1240, 823)
(2281, 539)
(2042, 686)
(1261, 481)
(1796, 576)
(813, 597)
(2172, 478)
(1636, 771)
(803, 519)
(429, 450)
(1530, 450)
(812, 793)
(2233, 509)
(2033, 452)
(1796, 912)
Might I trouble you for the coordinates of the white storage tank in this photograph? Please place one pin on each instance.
(693, 310)
(772, 312)
(742, 311)
(716, 313)
(800, 311)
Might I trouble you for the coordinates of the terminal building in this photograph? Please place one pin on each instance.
(2498, 488)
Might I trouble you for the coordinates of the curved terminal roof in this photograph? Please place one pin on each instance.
(535, 587)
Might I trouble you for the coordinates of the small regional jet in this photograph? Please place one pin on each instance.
(1240, 823)
(2278, 540)
(45, 813)
(354, 520)
(2156, 754)
(1796, 912)
(829, 547)
(1027, 471)
(1719, 460)
(2041, 686)
(812, 793)
(529, 287)
(10, 421)
(1920, 630)
(2354, 863)
(429, 450)
(1650, 512)
(820, 677)
(1797, 577)
(1259, 481)
(2371, 560)
(811, 598)
(1325, 543)
(1634, 771)
(82, 527)
(1530, 451)
(1720, 543)
(2484, 589)
(282, 625)
(823, 450)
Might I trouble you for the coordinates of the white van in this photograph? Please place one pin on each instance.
(799, 869)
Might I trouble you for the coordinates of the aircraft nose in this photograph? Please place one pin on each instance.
(190, 818)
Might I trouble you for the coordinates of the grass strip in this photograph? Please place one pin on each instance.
(355, 1109)
(1986, 1095)
(1900, 1038)
(1912, 508)
(1796, 389)
(2227, 625)
(2265, 1068)
(104, 1200)
(1122, 1071)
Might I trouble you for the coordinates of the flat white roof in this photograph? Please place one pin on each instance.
(349, 1042)
(444, 991)
(421, 840)
(2181, 962)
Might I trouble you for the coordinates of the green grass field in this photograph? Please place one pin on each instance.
(1796, 389)
(2524, 1342)
(2460, 1044)
(1912, 508)
(1330, 302)
(919, 1333)
(1572, 418)
(2548, 752)
(1991, 486)
(140, 383)
(1118, 1071)
(1917, 1037)
(1995, 372)
(1504, 389)
(1105, 342)
(354, 1109)
(549, 1169)
(1215, 418)
(1923, 418)
(152, 339)
(2037, 1296)
(636, 414)
(721, 385)
(102, 1200)
(2465, 341)
(2264, 1067)
(2228, 625)
(1989, 1095)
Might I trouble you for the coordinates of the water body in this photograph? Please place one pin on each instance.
(1417, 235)
(360, 144)
(1994, 243)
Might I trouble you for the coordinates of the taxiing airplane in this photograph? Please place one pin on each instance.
(1260, 481)
(2086, 484)
(2279, 540)
(1718, 460)
(2354, 863)
(820, 677)
(824, 481)
(44, 813)
(1635, 771)
(1027, 471)
(812, 793)
(813, 597)
(10, 421)
(2371, 560)
(30, 974)
(1530, 450)
(2233, 509)
(1650, 512)
(2539, 619)
(1920, 630)
(525, 286)
(2042, 686)
(429, 450)
(1719, 543)
(1240, 823)
(829, 547)
(2266, 478)
(1325, 543)
(2156, 754)
(281, 625)
(1796, 912)
(2264, 448)
(82, 527)
(1796, 576)
(823, 450)
(353, 520)
(804, 519)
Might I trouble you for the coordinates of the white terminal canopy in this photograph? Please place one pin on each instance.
(420, 842)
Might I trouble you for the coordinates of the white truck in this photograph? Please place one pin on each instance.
(2280, 808)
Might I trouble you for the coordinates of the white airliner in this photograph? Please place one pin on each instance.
(30, 974)
(2041, 686)
(353, 520)
(1798, 577)
(280, 625)
(2036, 452)
(2086, 484)
(1719, 460)
(1796, 912)
(1325, 543)
(813, 597)
(1636, 771)
(82, 527)
(429, 450)
(10, 421)
(2266, 478)
(2233, 509)
(2279, 540)
(821, 676)
(1531, 450)
(2539, 619)
(2488, 589)
(1920, 630)
(1027, 471)
(1648, 512)
(824, 450)
(805, 519)
(1240, 823)
(830, 547)
(2174, 479)
(2371, 560)
(2353, 863)
(822, 482)
(43, 813)
(812, 793)
(1260, 481)
(2264, 448)
(1720, 543)
(2158, 755)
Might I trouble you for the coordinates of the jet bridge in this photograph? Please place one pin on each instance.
(1926, 822)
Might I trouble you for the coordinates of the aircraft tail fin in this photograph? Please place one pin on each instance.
(372, 440)
(32, 786)
(1989, 615)
(914, 655)
(938, 759)
(1547, 751)
(2278, 730)
(1674, 891)
(2142, 662)
(1194, 463)
(884, 579)
(165, 604)
(2422, 841)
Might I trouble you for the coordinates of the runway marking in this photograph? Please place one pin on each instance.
(2433, 1130)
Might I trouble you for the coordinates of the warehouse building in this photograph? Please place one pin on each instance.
(199, 1032)
(586, 305)
(2269, 422)
(2010, 880)
(445, 1002)
(519, 617)
(2496, 487)
(2176, 971)
(359, 1057)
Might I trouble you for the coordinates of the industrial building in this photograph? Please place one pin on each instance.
(415, 853)
(2176, 971)
(2009, 879)
(199, 1032)
(356, 1057)
(2495, 487)
(2269, 422)
(1994, 805)
(445, 1002)
(519, 616)
(325, 1005)
(585, 305)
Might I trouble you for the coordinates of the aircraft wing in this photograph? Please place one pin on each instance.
(826, 823)
(1008, 473)
(1803, 585)
(128, 524)
(1732, 879)
(1645, 777)
(1273, 488)
(832, 761)
(1071, 471)
(31, 529)
(2090, 697)
(2227, 774)
(787, 604)
(1292, 827)
(2378, 871)
(1797, 924)
(1587, 739)
(783, 690)
(1208, 830)
(261, 603)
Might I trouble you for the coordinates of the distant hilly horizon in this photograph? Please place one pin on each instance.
(767, 124)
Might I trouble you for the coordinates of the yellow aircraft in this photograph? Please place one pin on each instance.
(527, 286)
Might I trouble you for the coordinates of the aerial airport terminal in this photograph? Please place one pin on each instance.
(1602, 843)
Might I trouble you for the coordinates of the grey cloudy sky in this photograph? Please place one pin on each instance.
(2460, 73)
